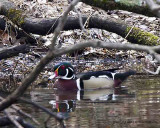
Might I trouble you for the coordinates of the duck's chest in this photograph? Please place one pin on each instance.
(66, 84)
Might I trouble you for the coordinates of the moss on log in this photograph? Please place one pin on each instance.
(9, 9)
(141, 37)
(16, 16)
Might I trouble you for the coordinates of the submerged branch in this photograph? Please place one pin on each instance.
(17, 109)
(12, 119)
(4, 121)
(59, 118)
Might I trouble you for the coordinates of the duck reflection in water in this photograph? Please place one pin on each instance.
(65, 100)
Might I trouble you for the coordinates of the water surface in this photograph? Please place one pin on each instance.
(135, 105)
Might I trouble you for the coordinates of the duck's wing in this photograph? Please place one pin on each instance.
(107, 74)
(124, 75)
(88, 75)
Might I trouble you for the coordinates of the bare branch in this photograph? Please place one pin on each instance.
(62, 23)
(151, 72)
(25, 114)
(79, 17)
(11, 118)
(59, 118)
(22, 112)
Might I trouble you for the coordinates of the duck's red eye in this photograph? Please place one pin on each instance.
(62, 67)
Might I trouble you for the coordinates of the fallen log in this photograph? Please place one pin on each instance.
(14, 51)
(43, 26)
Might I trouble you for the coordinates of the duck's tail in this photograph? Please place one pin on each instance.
(120, 77)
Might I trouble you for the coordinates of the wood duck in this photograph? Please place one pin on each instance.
(67, 80)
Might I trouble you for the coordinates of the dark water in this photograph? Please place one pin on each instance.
(137, 105)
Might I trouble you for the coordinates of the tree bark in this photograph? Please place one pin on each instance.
(42, 27)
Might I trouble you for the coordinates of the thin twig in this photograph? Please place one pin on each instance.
(80, 18)
(25, 114)
(22, 112)
(130, 31)
(53, 25)
(62, 22)
(86, 22)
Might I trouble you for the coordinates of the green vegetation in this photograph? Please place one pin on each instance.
(16, 16)
(141, 37)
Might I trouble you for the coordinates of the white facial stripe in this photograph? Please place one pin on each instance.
(78, 84)
(113, 74)
(66, 73)
(70, 68)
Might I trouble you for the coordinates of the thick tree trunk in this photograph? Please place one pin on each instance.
(42, 27)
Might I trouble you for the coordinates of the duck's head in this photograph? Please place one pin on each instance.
(63, 70)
